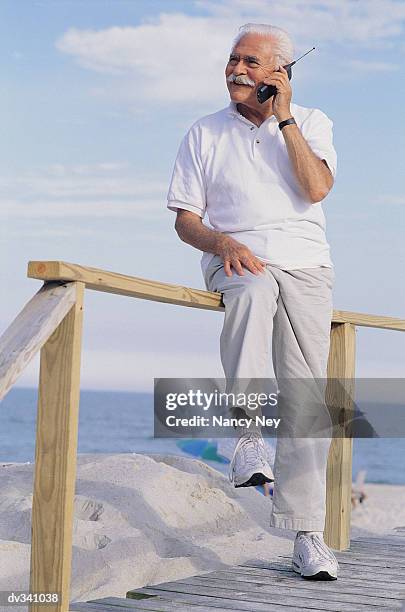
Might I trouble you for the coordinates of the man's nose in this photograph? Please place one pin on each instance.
(240, 71)
(239, 68)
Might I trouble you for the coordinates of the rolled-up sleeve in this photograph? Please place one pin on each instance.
(187, 187)
(317, 130)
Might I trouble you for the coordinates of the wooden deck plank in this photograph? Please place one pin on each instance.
(344, 573)
(182, 603)
(158, 605)
(391, 546)
(235, 604)
(383, 556)
(377, 548)
(155, 604)
(350, 585)
(346, 570)
(396, 565)
(383, 567)
(291, 594)
(286, 583)
(266, 595)
(392, 566)
(397, 541)
(382, 553)
(369, 579)
(83, 606)
(211, 603)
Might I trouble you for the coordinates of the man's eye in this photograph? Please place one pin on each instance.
(253, 63)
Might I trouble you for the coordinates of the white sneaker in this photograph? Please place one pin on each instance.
(249, 466)
(313, 559)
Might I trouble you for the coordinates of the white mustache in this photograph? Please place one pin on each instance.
(241, 79)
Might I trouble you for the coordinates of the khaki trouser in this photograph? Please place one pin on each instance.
(289, 313)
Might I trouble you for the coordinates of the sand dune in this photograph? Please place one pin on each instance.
(145, 519)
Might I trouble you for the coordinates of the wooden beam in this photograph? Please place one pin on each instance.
(367, 320)
(121, 284)
(339, 394)
(31, 329)
(55, 458)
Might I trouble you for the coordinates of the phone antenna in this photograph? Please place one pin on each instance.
(295, 61)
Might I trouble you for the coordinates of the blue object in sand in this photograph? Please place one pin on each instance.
(205, 449)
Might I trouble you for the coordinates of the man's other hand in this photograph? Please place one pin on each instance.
(236, 255)
(191, 230)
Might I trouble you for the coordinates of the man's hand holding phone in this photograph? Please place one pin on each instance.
(282, 100)
(236, 255)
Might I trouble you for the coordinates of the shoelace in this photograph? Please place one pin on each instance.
(319, 550)
(324, 549)
(252, 447)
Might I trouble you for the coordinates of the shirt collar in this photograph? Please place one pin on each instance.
(233, 111)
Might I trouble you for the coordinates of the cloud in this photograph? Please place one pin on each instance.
(108, 189)
(177, 57)
(361, 22)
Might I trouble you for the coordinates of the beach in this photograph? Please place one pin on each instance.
(145, 519)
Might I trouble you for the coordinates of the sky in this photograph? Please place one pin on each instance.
(95, 98)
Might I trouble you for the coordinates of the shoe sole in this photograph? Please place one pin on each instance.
(323, 575)
(320, 576)
(255, 480)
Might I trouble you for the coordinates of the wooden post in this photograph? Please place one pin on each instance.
(339, 394)
(55, 459)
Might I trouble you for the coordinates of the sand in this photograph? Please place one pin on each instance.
(146, 519)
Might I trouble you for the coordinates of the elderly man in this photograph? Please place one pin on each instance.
(260, 172)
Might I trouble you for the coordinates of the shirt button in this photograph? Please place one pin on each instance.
(252, 128)
(257, 141)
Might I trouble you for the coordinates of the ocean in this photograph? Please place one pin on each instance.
(122, 422)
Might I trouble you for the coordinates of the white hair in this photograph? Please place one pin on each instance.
(283, 46)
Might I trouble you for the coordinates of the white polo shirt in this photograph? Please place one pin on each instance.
(241, 176)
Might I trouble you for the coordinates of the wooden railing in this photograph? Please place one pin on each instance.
(52, 323)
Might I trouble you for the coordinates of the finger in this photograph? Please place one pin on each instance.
(279, 83)
(251, 265)
(252, 268)
(227, 267)
(238, 267)
(269, 80)
(260, 265)
(277, 75)
(259, 268)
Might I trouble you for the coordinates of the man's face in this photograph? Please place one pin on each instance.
(253, 51)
